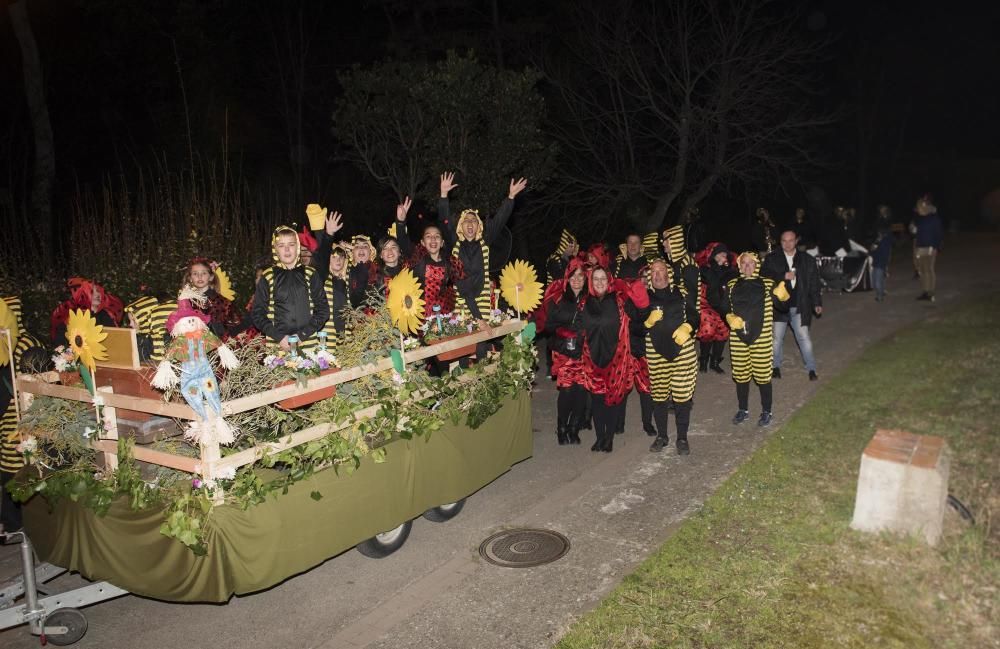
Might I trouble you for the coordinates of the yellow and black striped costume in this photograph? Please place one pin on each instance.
(685, 272)
(555, 266)
(264, 312)
(142, 310)
(673, 368)
(158, 328)
(482, 297)
(10, 459)
(334, 337)
(751, 298)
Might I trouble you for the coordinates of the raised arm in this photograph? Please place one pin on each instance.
(494, 225)
(402, 236)
(449, 230)
(321, 258)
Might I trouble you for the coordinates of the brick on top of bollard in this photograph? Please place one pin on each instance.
(922, 451)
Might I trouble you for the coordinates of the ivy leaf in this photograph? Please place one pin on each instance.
(315, 495)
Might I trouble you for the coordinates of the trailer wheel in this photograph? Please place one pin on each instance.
(72, 619)
(443, 513)
(384, 544)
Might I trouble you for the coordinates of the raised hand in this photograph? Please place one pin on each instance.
(447, 183)
(334, 223)
(516, 187)
(403, 208)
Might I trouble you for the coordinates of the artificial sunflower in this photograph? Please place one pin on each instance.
(405, 302)
(520, 287)
(8, 321)
(85, 336)
(225, 284)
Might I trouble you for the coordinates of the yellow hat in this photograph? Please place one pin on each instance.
(317, 216)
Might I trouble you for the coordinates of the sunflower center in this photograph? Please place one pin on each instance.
(78, 340)
(408, 302)
(520, 287)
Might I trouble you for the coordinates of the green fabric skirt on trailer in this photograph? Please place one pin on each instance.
(255, 549)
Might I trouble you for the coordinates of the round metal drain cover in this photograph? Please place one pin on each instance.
(524, 548)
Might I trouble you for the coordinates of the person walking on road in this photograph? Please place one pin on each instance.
(929, 237)
(801, 276)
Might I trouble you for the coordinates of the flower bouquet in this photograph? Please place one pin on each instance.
(440, 328)
(298, 369)
(66, 365)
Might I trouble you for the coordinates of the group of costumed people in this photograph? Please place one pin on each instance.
(299, 301)
(631, 322)
(614, 323)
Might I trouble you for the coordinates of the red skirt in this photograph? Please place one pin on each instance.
(568, 371)
(713, 328)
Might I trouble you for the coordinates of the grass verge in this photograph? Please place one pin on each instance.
(770, 560)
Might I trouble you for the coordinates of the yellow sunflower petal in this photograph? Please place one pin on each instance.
(520, 287)
(8, 321)
(85, 337)
(405, 302)
(225, 285)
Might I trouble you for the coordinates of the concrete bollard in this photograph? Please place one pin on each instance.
(903, 485)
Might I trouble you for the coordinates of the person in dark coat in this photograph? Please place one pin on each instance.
(718, 266)
(561, 318)
(289, 299)
(801, 276)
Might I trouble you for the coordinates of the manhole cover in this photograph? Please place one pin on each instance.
(524, 548)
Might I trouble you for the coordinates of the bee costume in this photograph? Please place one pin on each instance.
(668, 327)
(19, 358)
(749, 305)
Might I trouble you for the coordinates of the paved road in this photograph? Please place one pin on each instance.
(615, 509)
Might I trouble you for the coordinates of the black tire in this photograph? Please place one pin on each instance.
(384, 544)
(443, 513)
(73, 620)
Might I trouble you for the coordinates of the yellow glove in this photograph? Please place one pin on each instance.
(654, 316)
(682, 334)
(317, 216)
(781, 292)
(734, 321)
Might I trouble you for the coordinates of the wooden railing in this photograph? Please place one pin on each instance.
(211, 462)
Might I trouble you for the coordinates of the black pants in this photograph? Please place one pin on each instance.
(682, 413)
(10, 511)
(711, 352)
(743, 396)
(645, 402)
(605, 416)
(571, 403)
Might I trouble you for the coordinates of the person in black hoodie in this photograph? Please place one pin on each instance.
(717, 268)
(561, 318)
(748, 305)
(289, 299)
(668, 324)
(609, 367)
(469, 239)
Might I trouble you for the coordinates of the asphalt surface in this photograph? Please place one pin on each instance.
(615, 509)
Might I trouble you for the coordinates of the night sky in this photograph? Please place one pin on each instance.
(922, 73)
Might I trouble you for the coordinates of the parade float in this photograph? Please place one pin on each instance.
(260, 464)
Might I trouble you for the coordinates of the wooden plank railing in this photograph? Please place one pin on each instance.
(211, 460)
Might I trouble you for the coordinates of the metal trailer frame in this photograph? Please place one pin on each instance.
(54, 618)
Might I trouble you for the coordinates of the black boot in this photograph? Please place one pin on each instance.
(703, 364)
(561, 434)
(609, 444)
(598, 444)
(717, 367)
(573, 430)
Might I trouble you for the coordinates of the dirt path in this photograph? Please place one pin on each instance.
(615, 509)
